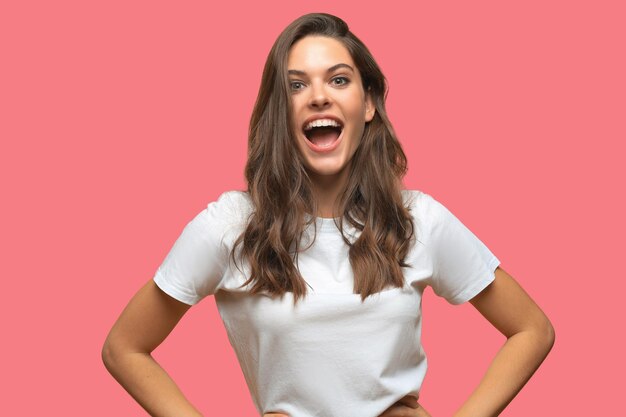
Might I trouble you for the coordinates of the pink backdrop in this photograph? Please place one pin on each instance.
(121, 120)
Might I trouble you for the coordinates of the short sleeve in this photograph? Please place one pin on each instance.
(462, 265)
(195, 265)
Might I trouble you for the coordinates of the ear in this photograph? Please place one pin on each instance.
(370, 109)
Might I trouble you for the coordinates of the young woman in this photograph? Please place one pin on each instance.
(318, 269)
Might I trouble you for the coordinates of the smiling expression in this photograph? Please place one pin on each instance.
(326, 86)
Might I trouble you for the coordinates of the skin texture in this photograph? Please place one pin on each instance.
(339, 93)
(530, 337)
(146, 321)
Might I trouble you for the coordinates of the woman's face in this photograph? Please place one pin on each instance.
(326, 87)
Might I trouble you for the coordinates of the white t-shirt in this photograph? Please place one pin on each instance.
(332, 355)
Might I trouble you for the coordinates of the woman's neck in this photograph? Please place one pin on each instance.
(327, 189)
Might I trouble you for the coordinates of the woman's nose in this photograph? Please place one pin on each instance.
(319, 97)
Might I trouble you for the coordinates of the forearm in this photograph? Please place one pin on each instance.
(511, 368)
(148, 383)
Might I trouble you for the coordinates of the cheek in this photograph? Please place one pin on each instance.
(358, 127)
(294, 118)
(358, 138)
(295, 129)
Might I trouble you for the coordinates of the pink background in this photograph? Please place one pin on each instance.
(121, 120)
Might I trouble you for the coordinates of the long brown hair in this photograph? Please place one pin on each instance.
(281, 191)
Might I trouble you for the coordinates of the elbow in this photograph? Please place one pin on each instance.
(111, 354)
(116, 353)
(550, 335)
(546, 335)
(108, 355)
(540, 335)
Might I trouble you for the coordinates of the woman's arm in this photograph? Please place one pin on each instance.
(145, 322)
(530, 337)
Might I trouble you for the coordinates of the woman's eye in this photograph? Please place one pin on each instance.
(295, 85)
(342, 81)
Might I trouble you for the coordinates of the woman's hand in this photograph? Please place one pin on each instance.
(406, 407)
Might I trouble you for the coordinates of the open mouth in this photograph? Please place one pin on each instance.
(323, 136)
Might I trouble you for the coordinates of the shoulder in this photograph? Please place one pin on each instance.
(429, 215)
(230, 208)
(234, 201)
(421, 204)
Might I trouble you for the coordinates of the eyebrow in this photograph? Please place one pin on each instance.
(331, 69)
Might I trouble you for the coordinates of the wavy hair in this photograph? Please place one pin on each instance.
(281, 190)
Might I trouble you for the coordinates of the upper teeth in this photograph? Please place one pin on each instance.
(321, 122)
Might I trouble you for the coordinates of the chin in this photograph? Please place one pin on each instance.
(326, 170)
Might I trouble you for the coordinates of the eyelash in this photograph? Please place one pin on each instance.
(346, 81)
